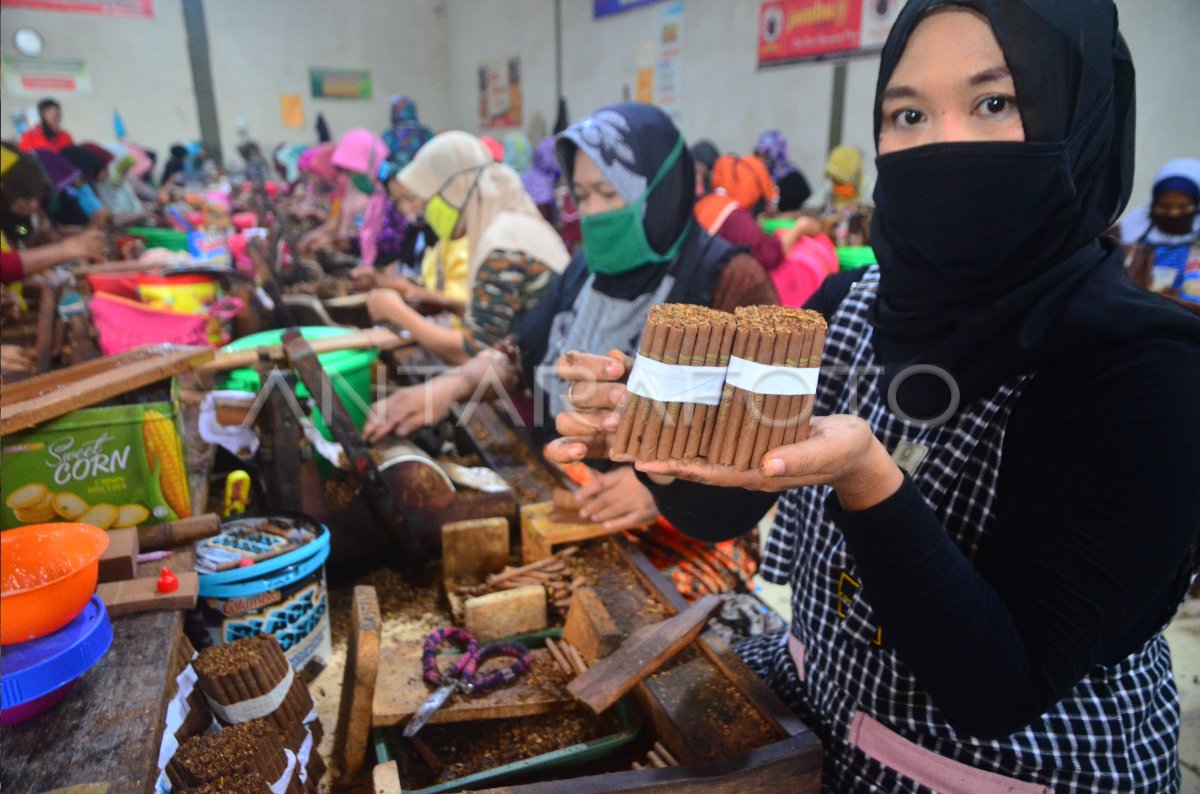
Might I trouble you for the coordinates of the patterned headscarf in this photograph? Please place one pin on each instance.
(542, 176)
(407, 134)
(629, 142)
(772, 147)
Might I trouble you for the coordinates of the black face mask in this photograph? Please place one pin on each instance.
(965, 212)
(1173, 224)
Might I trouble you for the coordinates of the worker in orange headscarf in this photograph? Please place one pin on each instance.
(742, 189)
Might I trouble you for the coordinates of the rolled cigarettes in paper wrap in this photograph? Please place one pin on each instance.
(725, 388)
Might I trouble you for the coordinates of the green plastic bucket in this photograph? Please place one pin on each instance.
(855, 257)
(772, 225)
(171, 239)
(350, 371)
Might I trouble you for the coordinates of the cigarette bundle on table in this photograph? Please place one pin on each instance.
(722, 387)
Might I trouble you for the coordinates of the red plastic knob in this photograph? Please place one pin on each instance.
(167, 581)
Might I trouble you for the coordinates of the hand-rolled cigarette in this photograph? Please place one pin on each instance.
(655, 761)
(780, 410)
(572, 653)
(754, 443)
(658, 333)
(648, 448)
(557, 655)
(665, 755)
(426, 753)
(537, 565)
(773, 351)
(714, 429)
(720, 345)
(806, 402)
(691, 316)
(687, 413)
(632, 406)
(739, 405)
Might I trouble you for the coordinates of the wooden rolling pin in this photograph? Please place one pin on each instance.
(176, 533)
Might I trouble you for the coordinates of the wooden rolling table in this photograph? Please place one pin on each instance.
(109, 727)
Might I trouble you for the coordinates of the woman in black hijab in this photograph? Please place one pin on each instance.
(1006, 513)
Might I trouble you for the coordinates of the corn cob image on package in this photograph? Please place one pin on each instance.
(110, 466)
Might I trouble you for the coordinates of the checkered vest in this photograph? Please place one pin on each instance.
(1116, 731)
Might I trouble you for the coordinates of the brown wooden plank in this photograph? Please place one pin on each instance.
(473, 549)
(542, 528)
(170, 534)
(589, 627)
(644, 652)
(714, 648)
(358, 684)
(400, 691)
(141, 595)
(109, 726)
(386, 778)
(506, 613)
(34, 387)
(47, 324)
(156, 363)
(380, 338)
(792, 765)
(119, 560)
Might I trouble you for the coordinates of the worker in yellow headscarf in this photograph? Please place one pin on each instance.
(844, 168)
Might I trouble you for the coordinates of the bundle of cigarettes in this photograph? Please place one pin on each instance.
(684, 335)
(759, 360)
(751, 422)
(554, 573)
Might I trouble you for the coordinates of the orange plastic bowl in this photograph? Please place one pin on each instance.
(47, 574)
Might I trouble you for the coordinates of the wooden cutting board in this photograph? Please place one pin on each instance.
(35, 400)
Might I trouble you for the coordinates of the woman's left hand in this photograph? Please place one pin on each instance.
(840, 451)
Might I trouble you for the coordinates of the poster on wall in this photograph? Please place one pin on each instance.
(292, 108)
(500, 93)
(605, 8)
(111, 8)
(41, 76)
(794, 31)
(339, 83)
(670, 47)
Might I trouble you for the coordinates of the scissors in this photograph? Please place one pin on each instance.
(463, 675)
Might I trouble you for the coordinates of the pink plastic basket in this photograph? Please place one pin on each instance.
(124, 324)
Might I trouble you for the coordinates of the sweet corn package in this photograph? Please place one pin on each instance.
(111, 466)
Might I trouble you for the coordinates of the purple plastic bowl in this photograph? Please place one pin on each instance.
(34, 707)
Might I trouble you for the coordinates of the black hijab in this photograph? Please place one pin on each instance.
(989, 253)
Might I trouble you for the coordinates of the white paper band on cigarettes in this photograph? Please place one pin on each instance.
(285, 780)
(768, 379)
(254, 708)
(676, 383)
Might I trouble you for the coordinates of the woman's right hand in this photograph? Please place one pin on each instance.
(410, 409)
(597, 395)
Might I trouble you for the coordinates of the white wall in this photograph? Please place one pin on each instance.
(260, 49)
(139, 66)
(1162, 35)
(257, 50)
(727, 99)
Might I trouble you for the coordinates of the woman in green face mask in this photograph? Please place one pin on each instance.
(634, 183)
(495, 256)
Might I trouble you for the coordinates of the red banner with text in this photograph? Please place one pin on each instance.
(792, 31)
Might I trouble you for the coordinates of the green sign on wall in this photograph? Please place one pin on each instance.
(340, 83)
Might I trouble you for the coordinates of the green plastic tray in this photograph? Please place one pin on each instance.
(387, 740)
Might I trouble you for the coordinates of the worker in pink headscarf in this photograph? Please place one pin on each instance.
(353, 221)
